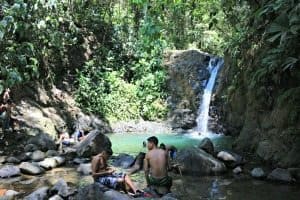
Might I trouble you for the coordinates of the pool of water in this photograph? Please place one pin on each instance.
(131, 143)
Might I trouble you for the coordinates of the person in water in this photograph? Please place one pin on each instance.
(156, 165)
(170, 149)
(107, 176)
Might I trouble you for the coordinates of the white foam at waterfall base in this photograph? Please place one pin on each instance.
(203, 111)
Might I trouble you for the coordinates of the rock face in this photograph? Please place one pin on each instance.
(9, 171)
(279, 174)
(195, 161)
(183, 118)
(30, 168)
(207, 145)
(93, 144)
(187, 73)
(40, 194)
(258, 173)
(123, 160)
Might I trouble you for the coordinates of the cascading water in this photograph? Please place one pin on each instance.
(203, 112)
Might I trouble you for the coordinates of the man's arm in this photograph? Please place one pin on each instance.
(146, 168)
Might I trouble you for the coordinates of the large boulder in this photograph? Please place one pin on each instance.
(90, 192)
(93, 144)
(31, 169)
(123, 160)
(43, 141)
(195, 161)
(207, 145)
(40, 194)
(9, 171)
(281, 175)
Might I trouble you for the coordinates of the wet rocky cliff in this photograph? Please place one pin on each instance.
(187, 72)
(263, 116)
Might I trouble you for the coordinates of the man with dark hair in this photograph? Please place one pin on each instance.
(156, 167)
(107, 176)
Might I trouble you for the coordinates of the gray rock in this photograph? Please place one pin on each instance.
(30, 148)
(115, 195)
(258, 173)
(93, 144)
(90, 192)
(43, 141)
(237, 170)
(195, 161)
(123, 160)
(38, 156)
(13, 160)
(9, 171)
(60, 160)
(85, 169)
(279, 174)
(51, 153)
(40, 194)
(207, 145)
(48, 163)
(56, 197)
(231, 159)
(30, 168)
(61, 188)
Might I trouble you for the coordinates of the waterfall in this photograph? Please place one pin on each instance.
(203, 111)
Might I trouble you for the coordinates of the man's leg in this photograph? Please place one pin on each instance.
(130, 183)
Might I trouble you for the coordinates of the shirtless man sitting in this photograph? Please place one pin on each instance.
(156, 166)
(107, 175)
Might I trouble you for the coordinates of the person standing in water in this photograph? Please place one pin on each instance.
(156, 165)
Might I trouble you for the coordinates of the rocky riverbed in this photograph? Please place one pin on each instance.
(204, 173)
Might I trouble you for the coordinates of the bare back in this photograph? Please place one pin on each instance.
(157, 159)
